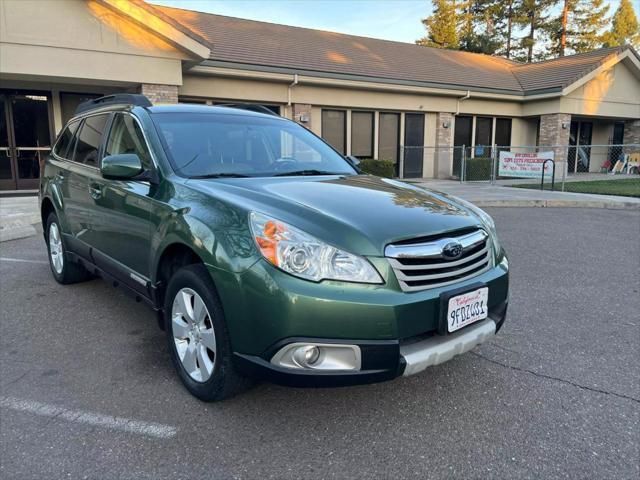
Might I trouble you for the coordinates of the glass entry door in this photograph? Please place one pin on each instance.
(7, 181)
(25, 139)
(579, 154)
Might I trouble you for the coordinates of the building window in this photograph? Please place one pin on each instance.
(484, 131)
(362, 134)
(70, 101)
(503, 133)
(334, 128)
(462, 133)
(388, 137)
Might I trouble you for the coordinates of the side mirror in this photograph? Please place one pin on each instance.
(353, 160)
(122, 166)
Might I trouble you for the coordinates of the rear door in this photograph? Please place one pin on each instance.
(121, 209)
(82, 170)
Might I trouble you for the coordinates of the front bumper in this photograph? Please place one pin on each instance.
(381, 360)
(397, 332)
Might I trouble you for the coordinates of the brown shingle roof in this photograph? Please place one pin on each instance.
(251, 42)
(560, 72)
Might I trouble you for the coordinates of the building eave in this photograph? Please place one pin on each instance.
(284, 74)
(628, 56)
(150, 19)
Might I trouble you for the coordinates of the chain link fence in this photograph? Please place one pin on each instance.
(482, 163)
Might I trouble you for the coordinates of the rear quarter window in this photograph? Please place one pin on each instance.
(61, 148)
(89, 140)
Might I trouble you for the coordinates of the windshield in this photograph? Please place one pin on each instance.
(208, 145)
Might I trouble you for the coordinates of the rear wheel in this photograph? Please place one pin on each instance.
(197, 336)
(63, 270)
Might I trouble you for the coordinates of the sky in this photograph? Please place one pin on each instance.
(398, 20)
(389, 19)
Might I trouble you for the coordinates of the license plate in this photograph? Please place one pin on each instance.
(467, 308)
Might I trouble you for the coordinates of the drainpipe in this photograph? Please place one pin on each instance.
(461, 99)
(293, 84)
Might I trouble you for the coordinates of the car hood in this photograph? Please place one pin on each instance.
(359, 213)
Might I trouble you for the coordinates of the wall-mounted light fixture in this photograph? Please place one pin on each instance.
(565, 125)
(446, 124)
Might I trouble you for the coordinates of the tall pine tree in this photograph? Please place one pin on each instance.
(532, 18)
(624, 27)
(441, 26)
(480, 30)
(578, 27)
(589, 22)
(560, 28)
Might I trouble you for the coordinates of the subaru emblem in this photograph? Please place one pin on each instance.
(452, 250)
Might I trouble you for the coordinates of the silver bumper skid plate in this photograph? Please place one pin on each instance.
(439, 349)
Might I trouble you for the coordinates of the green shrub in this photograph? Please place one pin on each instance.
(381, 168)
(478, 168)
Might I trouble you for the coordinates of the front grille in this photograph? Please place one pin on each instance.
(422, 265)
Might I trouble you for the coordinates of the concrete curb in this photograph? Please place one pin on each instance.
(558, 204)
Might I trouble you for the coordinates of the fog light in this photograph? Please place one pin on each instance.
(318, 356)
(306, 356)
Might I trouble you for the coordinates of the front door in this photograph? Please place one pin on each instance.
(462, 134)
(121, 212)
(414, 145)
(25, 139)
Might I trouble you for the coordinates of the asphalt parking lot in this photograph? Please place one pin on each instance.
(88, 390)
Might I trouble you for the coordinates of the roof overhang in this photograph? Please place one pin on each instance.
(339, 80)
(150, 19)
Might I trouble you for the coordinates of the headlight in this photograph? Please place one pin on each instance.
(304, 256)
(487, 221)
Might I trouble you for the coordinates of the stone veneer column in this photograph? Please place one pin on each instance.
(631, 135)
(157, 93)
(553, 134)
(444, 145)
(302, 114)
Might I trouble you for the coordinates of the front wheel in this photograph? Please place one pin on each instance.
(63, 270)
(197, 336)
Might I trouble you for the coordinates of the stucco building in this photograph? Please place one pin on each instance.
(367, 97)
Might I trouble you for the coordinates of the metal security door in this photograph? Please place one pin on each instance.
(414, 145)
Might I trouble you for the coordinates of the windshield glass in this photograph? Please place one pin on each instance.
(209, 145)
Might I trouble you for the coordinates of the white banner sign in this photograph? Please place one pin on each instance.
(525, 165)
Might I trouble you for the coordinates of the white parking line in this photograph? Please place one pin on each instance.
(149, 429)
(22, 260)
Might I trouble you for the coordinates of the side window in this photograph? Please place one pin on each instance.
(89, 138)
(66, 139)
(126, 137)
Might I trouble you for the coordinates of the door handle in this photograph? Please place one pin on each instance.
(95, 190)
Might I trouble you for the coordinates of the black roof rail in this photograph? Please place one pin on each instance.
(116, 99)
(252, 107)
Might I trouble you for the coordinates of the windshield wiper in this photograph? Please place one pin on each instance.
(221, 175)
(305, 172)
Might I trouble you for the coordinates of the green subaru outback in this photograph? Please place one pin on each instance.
(265, 253)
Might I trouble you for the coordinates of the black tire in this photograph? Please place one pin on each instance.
(70, 272)
(224, 382)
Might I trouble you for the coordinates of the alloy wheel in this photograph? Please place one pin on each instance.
(193, 334)
(55, 248)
